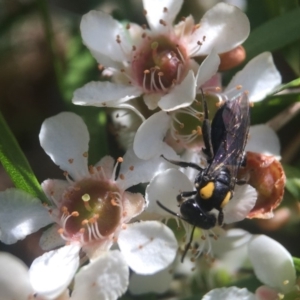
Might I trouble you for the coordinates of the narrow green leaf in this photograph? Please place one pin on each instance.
(292, 180)
(297, 264)
(291, 84)
(16, 164)
(274, 34)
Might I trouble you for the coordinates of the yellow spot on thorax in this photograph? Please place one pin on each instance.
(207, 191)
(226, 199)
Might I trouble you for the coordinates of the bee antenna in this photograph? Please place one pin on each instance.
(168, 210)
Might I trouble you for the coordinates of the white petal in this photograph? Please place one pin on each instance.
(148, 247)
(143, 170)
(273, 264)
(14, 279)
(259, 77)
(151, 100)
(165, 187)
(54, 188)
(182, 95)
(107, 166)
(51, 273)
(149, 138)
(232, 239)
(104, 93)
(20, 215)
(51, 239)
(195, 157)
(224, 27)
(155, 13)
(133, 205)
(65, 139)
(99, 32)
(208, 68)
(157, 283)
(106, 278)
(263, 139)
(240, 205)
(231, 293)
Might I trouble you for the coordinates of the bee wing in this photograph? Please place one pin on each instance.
(229, 134)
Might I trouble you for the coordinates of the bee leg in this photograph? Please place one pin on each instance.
(183, 195)
(183, 164)
(220, 217)
(188, 245)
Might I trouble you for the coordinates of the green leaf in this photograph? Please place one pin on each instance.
(291, 84)
(297, 264)
(292, 180)
(274, 34)
(16, 164)
(265, 110)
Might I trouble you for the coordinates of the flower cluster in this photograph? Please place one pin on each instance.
(95, 229)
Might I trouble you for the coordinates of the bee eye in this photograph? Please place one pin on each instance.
(207, 191)
(226, 199)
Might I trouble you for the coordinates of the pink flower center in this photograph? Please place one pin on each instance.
(159, 64)
(91, 210)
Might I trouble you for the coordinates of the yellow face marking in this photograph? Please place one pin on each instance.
(207, 191)
(226, 199)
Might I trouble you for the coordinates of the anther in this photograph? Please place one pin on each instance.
(60, 231)
(162, 22)
(113, 202)
(199, 130)
(86, 197)
(131, 168)
(84, 222)
(120, 159)
(75, 214)
(238, 87)
(85, 154)
(70, 160)
(91, 169)
(122, 177)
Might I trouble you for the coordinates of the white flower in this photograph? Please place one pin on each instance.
(273, 266)
(157, 62)
(91, 211)
(259, 77)
(231, 293)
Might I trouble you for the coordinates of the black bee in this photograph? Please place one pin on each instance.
(224, 140)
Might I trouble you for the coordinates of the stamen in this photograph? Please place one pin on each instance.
(119, 160)
(86, 198)
(146, 72)
(180, 54)
(160, 74)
